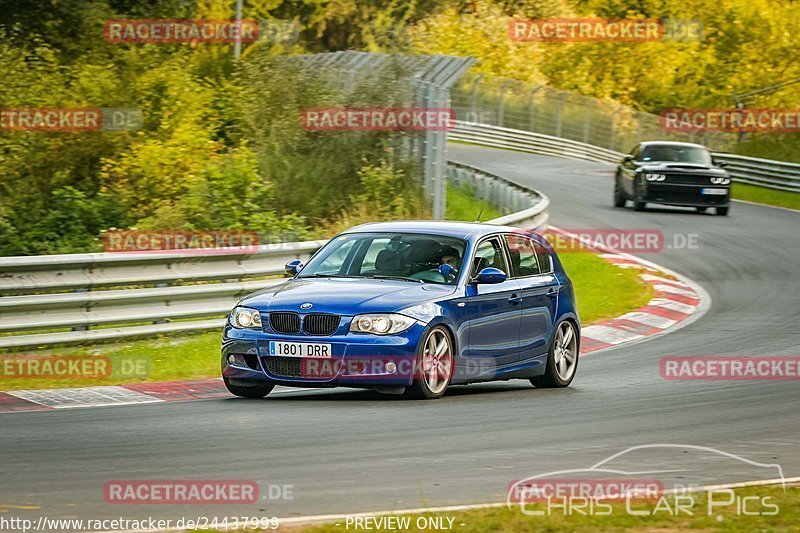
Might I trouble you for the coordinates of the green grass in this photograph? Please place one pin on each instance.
(602, 289)
(503, 520)
(463, 206)
(160, 359)
(762, 195)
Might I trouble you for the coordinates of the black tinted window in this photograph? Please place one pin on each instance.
(523, 256)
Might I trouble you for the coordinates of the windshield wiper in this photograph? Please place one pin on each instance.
(364, 276)
(382, 276)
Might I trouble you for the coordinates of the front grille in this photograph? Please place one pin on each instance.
(288, 367)
(283, 322)
(320, 324)
(688, 179)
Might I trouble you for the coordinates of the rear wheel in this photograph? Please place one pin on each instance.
(562, 358)
(434, 368)
(246, 389)
(722, 211)
(619, 196)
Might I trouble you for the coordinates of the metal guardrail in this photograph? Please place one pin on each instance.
(766, 173)
(191, 292)
(224, 277)
(527, 141)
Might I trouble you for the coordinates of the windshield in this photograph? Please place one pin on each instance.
(676, 154)
(411, 256)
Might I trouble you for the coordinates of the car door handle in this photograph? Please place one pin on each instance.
(515, 299)
(552, 293)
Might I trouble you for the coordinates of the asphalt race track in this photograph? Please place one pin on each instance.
(354, 451)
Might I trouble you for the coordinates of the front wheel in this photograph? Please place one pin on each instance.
(619, 196)
(256, 390)
(562, 358)
(722, 211)
(434, 367)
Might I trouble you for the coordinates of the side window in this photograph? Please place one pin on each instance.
(523, 256)
(545, 261)
(489, 254)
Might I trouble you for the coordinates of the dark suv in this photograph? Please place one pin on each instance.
(672, 173)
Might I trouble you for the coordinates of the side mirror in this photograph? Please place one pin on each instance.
(628, 158)
(720, 164)
(294, 267)
(448, 272)
(491, 275)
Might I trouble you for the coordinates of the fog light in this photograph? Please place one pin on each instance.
(232, 359)
(391, 368)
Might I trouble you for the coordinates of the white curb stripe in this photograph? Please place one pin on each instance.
(674, 290)
(673, 305)
(649, 319)
(659, 279)
(609, 335)
(84, 397)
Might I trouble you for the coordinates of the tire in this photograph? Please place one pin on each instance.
(553, 376)
(722, 211)
(701, 209)
(256, 390)
(639, 205)
(432, 372)
(619, 196)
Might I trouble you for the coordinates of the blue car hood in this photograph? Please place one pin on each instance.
(346, 296)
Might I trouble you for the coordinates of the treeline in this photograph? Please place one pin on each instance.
(221, 146)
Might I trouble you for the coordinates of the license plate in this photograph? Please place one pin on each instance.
(314, 350)
(714, 191)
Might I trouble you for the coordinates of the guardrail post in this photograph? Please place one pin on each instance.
(613, 128)
(559, 105)
(532, 113)
(501, 106)
(586, 121)
(474, 97)
(638, 128)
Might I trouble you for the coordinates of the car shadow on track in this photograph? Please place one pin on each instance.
(357, 395)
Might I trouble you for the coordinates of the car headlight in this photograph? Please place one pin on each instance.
(720, 180)
(654, 177)
(381, 324)
(244, 317)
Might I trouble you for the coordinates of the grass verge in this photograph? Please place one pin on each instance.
(463, 206)
(604, 290)
(660, 516)
(761, 195)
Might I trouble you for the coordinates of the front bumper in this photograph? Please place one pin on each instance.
(685, 195)
(357, 359)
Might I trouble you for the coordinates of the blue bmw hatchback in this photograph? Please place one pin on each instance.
(409, 307)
